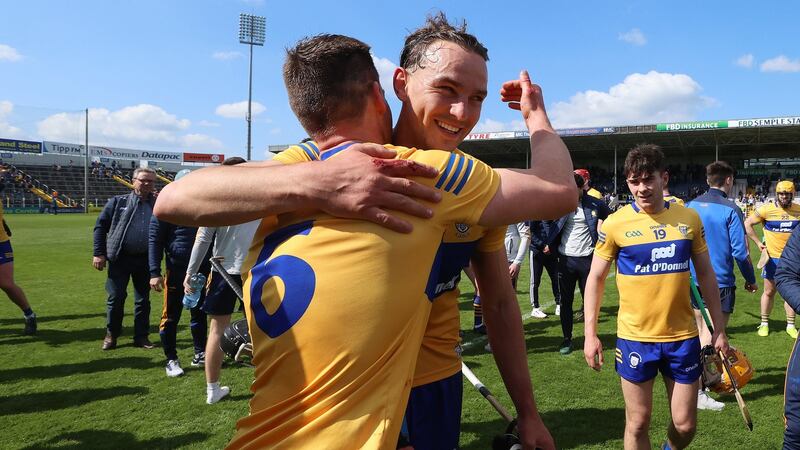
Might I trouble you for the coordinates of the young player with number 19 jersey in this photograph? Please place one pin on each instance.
(652, 243)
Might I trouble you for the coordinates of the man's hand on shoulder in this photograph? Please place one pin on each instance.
(365, 182)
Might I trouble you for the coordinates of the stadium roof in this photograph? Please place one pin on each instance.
(749, 135)
(773, 135)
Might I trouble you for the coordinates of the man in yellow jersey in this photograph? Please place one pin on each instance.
(652, 242)
(590, 191)
(7, 284)
(669, 197)
(779, 218)
(326, 421)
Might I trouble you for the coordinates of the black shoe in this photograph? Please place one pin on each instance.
(480, 329)
(143, 343)
(199, 359)
(30, 325)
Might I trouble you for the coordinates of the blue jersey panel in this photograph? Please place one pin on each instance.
(655, 258)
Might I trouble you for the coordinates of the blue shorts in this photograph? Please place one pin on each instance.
(6, 253)
(220, 298)
(433, 414)
(727, 297)
(768, 272)
(638, 362)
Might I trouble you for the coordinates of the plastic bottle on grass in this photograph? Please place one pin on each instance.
(197, 281)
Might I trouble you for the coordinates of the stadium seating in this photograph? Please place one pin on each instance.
(104, 183)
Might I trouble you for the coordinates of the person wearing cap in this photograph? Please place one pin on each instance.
(586, 188)
(779, 218)
(578, 233)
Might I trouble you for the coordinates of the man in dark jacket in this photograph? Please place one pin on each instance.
(120, 238)
(578, 233)
(176, 242)
(787, 280)
(543, 257)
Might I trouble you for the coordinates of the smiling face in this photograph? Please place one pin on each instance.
(442, 99)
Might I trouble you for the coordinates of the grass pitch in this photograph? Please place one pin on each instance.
(59, 390)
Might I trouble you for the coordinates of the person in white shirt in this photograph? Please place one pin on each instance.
(518, 238)
(231, 243)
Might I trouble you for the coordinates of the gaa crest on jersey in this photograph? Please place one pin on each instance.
(462, 228)
(634, 359)
(684, 229)
(458, 350)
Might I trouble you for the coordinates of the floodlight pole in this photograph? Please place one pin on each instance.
(250, 103)
(251, 32)
(86, 167)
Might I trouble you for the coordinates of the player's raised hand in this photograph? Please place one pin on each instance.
(364, 182)
(593, 352)
(526, 97)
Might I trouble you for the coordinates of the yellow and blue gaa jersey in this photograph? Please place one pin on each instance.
(592, 192)
(652, 254)
(673, 199)
(337, 309)
(778, 225)
(3, 235)
(440, 353)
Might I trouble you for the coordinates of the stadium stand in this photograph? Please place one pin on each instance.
(30, 185)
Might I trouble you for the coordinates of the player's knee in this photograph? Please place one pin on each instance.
(638, 425)
(685, 427)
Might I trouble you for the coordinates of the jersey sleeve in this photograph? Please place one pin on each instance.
(297, 154)
(699, 233)
(760, 213)
(606, 247)
(467, 184)
(493, 240)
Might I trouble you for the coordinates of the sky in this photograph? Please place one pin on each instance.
(171, 75)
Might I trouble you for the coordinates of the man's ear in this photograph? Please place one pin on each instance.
(400, 82)
(378, 97)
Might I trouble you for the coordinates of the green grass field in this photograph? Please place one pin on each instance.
(59, 390)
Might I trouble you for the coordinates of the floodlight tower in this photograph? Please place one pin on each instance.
(252, 30)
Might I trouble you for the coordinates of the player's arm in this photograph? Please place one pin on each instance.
(740, 252)
(708, 286)
(204, 238)
(787, 277)
(362, 184)
(101, 227)
(751, 232)
(524, 242)
(595, 285)
(504, 323)
(545, 191)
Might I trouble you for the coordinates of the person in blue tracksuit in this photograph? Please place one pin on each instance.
(544, 256)
(787, 280)
(724, 231)
(176, 242)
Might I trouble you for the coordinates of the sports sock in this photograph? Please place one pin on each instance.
(476, 306)
(790, 322)
(212, 386)
(28, 312)
(765, 319)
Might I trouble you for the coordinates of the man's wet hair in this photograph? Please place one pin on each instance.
(328, 78)
(437, 29)
(644, 159)
(717, 172)
(233, 160)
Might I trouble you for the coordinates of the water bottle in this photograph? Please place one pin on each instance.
(196, 281)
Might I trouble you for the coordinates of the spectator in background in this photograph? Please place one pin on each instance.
(578, 234)
(518, 238)
(176, 242)
(231, 243)
(120, 239)
(55, 202)
(586, 188)
(543, 256)
(671, 198)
